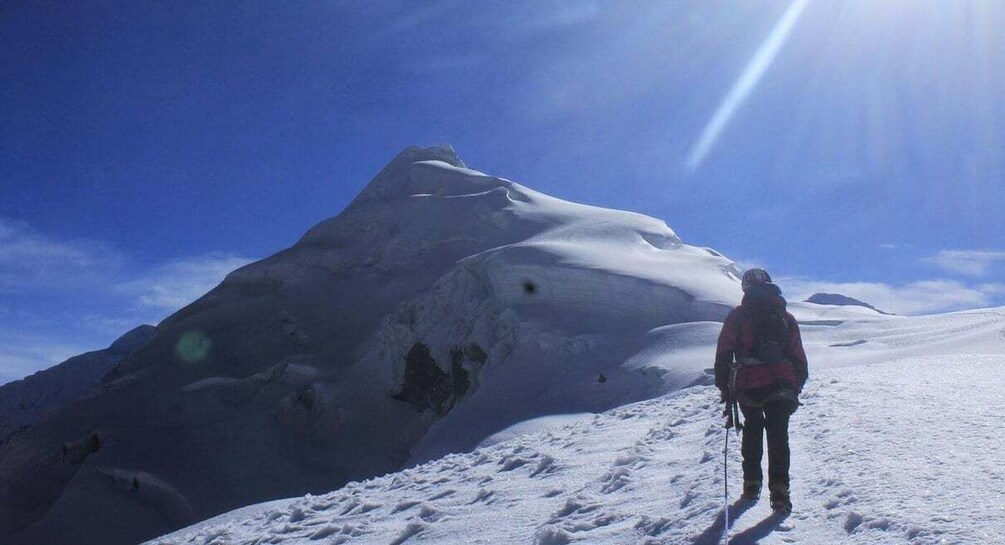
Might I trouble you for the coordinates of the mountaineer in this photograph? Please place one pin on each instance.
(760, 364)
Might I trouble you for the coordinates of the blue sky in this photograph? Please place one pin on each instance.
(147, 148)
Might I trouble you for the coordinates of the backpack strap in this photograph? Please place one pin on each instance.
(785, 349)
(738, 340)
(785, 334)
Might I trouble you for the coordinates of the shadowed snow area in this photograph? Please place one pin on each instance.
(441, 307)
(897, 443)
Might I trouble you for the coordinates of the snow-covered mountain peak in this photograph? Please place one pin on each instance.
(397, 180)
(401, 201)
(441, 306)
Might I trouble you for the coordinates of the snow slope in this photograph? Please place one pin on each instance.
(442, 306)
(897, 443)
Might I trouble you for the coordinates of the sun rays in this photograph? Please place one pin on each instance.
(748, 80)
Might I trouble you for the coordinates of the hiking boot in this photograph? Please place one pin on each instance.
(780, 497)
(751, 490)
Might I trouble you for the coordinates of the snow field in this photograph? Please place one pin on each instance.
(904, 452)
(901, 451)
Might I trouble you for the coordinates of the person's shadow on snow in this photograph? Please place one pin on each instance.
(713, 535)
(759, 531)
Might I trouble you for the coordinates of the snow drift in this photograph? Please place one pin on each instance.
(441, 306)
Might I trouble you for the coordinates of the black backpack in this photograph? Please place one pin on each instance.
(771, 330)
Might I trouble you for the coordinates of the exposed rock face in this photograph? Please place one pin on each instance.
(427, 386)
(399, 330)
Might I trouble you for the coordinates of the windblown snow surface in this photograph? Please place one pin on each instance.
(898, 441)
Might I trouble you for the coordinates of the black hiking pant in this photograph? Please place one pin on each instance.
(773, 417)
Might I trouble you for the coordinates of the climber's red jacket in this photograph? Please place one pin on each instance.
(736, 341)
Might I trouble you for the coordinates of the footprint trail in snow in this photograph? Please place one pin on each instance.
(903, 452)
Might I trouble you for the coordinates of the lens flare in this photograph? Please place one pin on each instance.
(193, 347)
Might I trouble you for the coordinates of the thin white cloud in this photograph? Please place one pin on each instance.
(550, 16)
(976, 263)
(175, 284)
(993, 289)
(22, 354)
(65, 296)
(745, 85)
(922, 297)
(513, 22)
(29, 259)
(524, 17)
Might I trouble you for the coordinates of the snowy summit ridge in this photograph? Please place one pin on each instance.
(394, 179)
(442, 306)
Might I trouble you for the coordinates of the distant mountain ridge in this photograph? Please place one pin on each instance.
(840, 300)
(25, 401)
